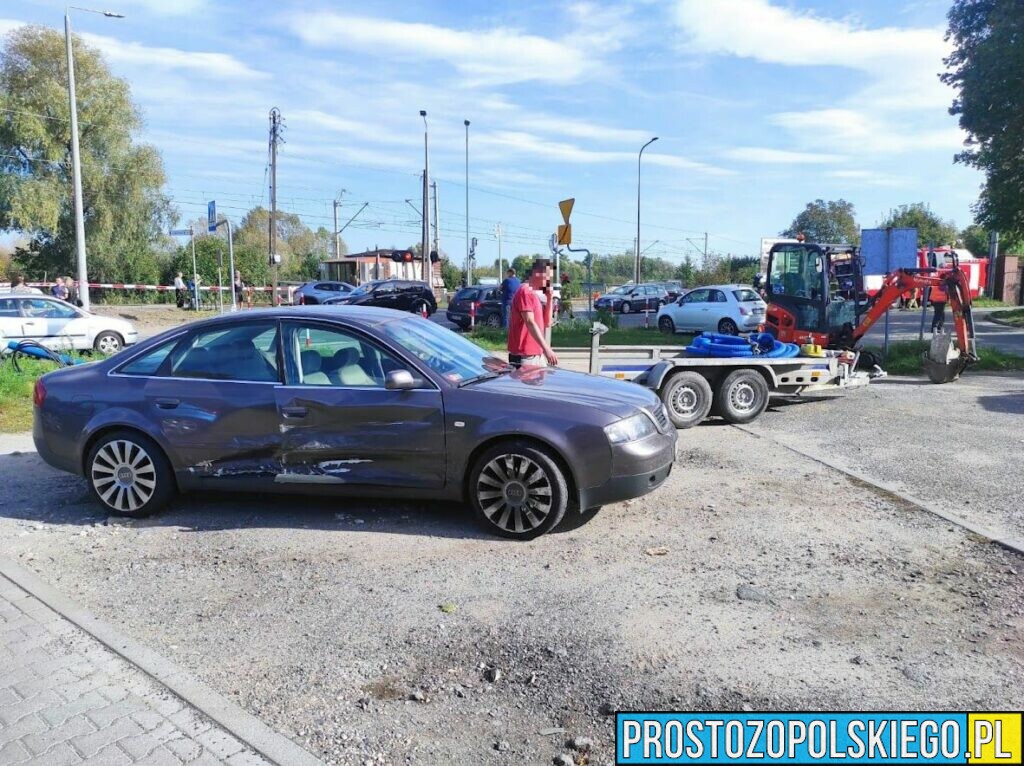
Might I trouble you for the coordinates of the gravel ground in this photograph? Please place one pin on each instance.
(397, 633)
(958, 444)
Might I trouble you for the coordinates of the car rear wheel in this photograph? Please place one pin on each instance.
(666, 325)
(742, 397)
(518, 490)
(108, 343)
(627, 307)
(728, 327)
(688, 398)
(493, 320)
(129, 474)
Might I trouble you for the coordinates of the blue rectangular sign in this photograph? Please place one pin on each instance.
(211, 216)
(885, 250)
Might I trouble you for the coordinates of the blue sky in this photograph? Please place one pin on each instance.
(759, 105)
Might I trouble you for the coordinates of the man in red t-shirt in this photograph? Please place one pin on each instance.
(527, 345)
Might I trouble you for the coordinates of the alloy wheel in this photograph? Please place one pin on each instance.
(123, 475)
(514, 492)
(108, 343)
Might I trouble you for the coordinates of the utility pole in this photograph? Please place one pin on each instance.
(469, 273)
(437, 236)
(705, 249)
(275, 137)
(425, 243)
(497, 233)
(337, 232)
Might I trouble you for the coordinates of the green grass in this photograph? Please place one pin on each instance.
(987, 303)
(1013, 317)
(905, 358)
(577, 335)
(16, 391)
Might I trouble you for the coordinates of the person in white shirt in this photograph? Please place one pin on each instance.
(179, 291)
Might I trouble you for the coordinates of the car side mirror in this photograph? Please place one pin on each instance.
(679, 302)
(399, 380)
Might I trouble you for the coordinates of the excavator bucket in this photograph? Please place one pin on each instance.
(944, 362)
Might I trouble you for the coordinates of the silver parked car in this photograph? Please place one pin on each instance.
(58, 325)
(728, 309)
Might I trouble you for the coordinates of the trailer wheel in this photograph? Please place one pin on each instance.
(687, 397)
(742, 396)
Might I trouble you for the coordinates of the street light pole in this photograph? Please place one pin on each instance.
(76, 161)
(469, 274)
(425, 244)
(636, 266)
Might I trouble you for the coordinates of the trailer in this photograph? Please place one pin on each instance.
(736, 389)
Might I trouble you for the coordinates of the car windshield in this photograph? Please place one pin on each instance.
(446, 353)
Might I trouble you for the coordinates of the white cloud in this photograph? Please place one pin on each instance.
(9, 25)
(900, 105)
(161, 7)
(503, 141)
(211, 65)
(780, 156)
(543, 123)
(487, 56)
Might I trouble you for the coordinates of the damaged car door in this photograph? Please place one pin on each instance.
(341, 424)
(212, 398)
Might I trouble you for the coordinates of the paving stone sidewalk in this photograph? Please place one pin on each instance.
(65, 698)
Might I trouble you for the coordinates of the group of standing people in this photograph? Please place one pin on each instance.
(187, 294)
(64, 288)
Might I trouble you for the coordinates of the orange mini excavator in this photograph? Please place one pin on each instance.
(815, 295)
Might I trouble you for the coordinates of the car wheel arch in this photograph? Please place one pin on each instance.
(556, 454)
(106, 428)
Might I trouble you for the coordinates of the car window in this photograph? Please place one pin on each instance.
(323, 356)
(716, 296)
(9, 307)
(40, 308)
(465, 294)
(323, 286)
(149, 363)
(696, 296)
(745, 295)
(445, 352)
(246, 352)
(385, 288)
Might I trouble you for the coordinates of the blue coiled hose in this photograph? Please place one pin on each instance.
(761, 345)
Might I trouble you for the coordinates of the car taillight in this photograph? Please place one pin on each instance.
(302, 300)
(39, 393)
(744, 311)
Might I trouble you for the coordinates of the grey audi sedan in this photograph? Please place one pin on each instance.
(350, 401)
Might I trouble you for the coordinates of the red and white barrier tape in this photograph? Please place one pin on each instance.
(158, 288)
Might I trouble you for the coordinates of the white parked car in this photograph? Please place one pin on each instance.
(727, 309)
(59, 325)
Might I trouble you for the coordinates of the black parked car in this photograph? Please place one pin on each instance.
(399, 294)
(349, 402)
(631, 298)
(674, 288)
(488, 306)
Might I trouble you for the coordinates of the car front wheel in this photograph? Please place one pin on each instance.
(627, 307)
(108, 343)
(129, 475)
(518, 490)
(666, 325)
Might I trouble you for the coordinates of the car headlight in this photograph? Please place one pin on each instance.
(630, 429)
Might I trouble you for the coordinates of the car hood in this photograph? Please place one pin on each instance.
(615, 397)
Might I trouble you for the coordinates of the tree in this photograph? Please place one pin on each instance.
(831, 221)
(125, 209)
(975, 239)
(931, 230)
(302, 250)
(987, 69)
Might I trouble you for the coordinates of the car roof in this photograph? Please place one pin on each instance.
(365, 316)
(722, 287)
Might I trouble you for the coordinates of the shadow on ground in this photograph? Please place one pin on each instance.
(33, 491)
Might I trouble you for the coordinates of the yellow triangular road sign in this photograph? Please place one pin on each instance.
(566, 207)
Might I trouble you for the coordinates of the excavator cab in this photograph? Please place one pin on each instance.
(812, 292)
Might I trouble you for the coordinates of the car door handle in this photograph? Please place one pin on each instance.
(167, 404)
(294, 412)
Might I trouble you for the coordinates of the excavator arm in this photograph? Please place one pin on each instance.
(949, 355)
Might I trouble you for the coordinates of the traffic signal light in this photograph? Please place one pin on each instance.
(402, 256)
(434, 257)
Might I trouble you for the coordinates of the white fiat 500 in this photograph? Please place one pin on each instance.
(59, 325)
(728, 309)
